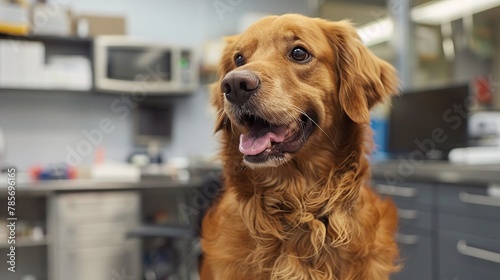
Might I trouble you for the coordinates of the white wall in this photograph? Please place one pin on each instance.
(39, 127)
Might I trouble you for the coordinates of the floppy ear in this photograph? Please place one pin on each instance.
(363, 78)
(217, 97)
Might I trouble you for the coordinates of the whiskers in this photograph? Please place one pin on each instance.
(222, 121)
(300, 111)
(282, 117)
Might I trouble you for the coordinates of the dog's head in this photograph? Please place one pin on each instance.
(289, 82)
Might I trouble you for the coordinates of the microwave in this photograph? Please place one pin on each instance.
(124, 65)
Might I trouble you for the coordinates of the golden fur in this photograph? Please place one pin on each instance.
(311, 215)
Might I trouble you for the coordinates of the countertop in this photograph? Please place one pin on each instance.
(436, 172)
(50, 186)
(391, 171)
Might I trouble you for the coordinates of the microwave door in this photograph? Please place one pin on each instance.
(122, 65)
(139, 65)
(138, 69)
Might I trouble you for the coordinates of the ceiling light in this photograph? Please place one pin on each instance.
(435, 12)
(376, 32)
(438, 12)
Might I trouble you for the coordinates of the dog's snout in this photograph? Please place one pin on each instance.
(239, 85)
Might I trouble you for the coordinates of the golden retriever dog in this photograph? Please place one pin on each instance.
(294, 95)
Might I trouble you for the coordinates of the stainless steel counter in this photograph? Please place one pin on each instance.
(49, 186)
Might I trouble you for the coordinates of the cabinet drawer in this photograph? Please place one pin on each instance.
(95, 206)
(416, 254)
(99, 264)
(407, 195)
(414, 218)
(468, 201)
(93, 235)
(469, 225)
(408, 235)
(466, 256)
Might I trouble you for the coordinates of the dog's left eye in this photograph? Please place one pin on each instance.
(239, 60)
(299, 54)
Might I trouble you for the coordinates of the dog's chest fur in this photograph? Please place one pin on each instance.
(278, 234)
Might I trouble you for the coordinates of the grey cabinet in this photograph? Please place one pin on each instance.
(468, 256)
(415, 210)
(447, 231)
(469, 233)
(416, 252)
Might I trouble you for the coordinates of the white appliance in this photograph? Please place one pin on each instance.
(88, 236)
(475, 155)
(484, 129)
(122, 64)
(484, 135)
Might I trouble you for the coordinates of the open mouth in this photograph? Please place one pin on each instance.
(265, 141)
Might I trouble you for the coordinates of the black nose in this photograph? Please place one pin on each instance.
(239, 85)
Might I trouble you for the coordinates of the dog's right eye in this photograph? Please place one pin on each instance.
(299, 54)
(239, 60)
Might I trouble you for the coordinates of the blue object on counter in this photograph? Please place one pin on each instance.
(56, 172)
(380, 127)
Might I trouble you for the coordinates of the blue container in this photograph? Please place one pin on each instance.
(380, 127)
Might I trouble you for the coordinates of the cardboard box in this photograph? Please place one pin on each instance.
(100, 25)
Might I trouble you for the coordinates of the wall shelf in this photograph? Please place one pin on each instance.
(25, 242)
(48, 38)
(53, 46)
(44, 90)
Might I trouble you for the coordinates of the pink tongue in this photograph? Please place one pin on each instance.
(254, 143)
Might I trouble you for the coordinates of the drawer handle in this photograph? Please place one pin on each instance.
(478, 199)
(407, 214)
(97, 251)
(464, 249)
(407, 239)
(396, 191)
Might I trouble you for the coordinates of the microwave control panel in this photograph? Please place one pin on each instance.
(185, 65)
